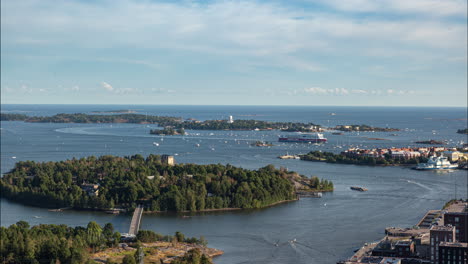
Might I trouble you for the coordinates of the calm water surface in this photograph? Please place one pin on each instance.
(326, 229)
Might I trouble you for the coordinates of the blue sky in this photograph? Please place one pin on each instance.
(310, 52)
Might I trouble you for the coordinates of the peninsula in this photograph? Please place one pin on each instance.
(97, 244)
(375, 157)
(163, 121)
(123, 182)
(364, 128)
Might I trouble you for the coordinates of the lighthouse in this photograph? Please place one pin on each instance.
(231, 120)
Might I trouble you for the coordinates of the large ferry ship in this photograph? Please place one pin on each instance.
(436, 163)
(305, 138)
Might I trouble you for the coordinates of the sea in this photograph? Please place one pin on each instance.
(326, 230)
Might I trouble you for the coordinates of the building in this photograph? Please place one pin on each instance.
(440, 234)
(453, 253)
(452, 156)
(90, 189)
(404, 248)
(460, 221)
(168, 160)
(231, 120)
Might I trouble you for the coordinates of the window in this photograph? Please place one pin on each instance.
(457, 219)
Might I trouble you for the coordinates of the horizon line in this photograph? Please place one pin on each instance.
(297, 105)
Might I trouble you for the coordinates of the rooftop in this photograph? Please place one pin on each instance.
(457, 207)
(442, 228)
(403, 243)
(453, 244)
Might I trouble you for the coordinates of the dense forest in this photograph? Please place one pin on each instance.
(162, 121)
(21, 243)
(123, 182)
(46, 244)
(365, 128)
(359, 160)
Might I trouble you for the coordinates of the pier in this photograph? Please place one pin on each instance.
(136, 220)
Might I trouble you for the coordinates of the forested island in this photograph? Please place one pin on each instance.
(123, 182)
(163, 121)
(364, 128)
(463, 131)
(430, 142)
(330, 157)
(168, 131)
(46, 244)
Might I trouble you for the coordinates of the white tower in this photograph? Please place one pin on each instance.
(231, 120)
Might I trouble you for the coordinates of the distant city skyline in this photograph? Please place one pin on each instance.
(306, 52)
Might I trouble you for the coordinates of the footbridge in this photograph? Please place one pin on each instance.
(136, 220)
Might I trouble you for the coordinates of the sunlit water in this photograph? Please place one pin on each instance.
(326, 229)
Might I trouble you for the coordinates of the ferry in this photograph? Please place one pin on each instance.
(436, 163)
(305, 138)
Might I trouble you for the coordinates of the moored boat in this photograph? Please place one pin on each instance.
(305, 138)
(436, 163)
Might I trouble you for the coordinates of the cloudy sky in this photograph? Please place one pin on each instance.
(304, 52)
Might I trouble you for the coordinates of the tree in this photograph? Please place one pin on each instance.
(139, 254)
(128, 259)
(93, 234)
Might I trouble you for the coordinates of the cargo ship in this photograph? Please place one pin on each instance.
(305, 138)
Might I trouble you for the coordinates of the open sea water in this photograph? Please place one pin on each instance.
(326, 230)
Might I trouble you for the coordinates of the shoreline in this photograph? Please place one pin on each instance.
(127, 210)
(219, 209)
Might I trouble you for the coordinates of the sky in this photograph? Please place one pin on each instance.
(276, 52)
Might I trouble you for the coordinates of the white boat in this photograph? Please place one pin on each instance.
(436, 163)
(305, 138)
(156, 144)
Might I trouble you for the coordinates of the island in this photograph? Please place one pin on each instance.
(168, 131)
(262, 144)
(364, 128)
(110, 182)
(123, 111)
(368, 157)
(463, 131)
(96, 244)
(164, 121)
(430, 142)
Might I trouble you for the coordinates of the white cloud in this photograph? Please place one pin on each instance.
(354, 92)
(424, 7)
(162, 91)
(260, 31)
(107, 86)
(323, 91)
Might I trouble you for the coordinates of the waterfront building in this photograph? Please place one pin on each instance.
(453, 253)
(460, 221)
(440, 234)
(231, 120)
(168, 160)
(452, 156)
(404, 248)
